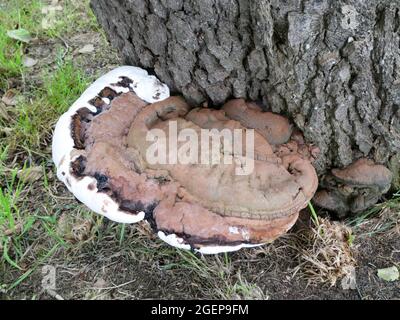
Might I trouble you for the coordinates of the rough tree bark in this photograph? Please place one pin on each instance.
(332, 66)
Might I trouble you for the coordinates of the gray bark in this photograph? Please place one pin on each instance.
(333, 67)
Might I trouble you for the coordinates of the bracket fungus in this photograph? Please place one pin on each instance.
(354, 188)
(101, 148)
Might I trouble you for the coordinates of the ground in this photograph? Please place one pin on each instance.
(43, 229)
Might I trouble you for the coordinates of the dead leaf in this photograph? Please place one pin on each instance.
(389, 274)
(28, 61)
(31, 174)
(20, 34)
(10, 97)
(86, 49)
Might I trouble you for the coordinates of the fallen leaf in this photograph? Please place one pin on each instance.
(389, 274)
(31, 174)
(20, 34)
(86, 49)
(10, 97)
(28, 61)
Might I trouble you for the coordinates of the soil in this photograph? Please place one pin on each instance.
(105, 270)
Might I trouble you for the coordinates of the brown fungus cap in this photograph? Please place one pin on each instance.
(277, 187)
(203, 204)
(273, 127)
(364, 172)
(354, 188)
(197, 205)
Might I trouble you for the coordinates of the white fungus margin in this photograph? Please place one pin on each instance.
(146, 87)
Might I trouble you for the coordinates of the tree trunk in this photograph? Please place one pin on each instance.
(332, 67)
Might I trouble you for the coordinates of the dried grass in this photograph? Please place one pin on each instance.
(324, 252)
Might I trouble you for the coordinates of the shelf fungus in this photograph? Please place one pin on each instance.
(204, 179)
(353, 189)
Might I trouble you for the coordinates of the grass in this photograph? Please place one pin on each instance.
(33, 118)
(10, 57)
(28, 217)
(314, 216)
(15, 15)
(63, 86)
(10, 218)
(79, 18)
(325, 252)
(32, 15)
(386, 214)
(242, 289)
(28, 139)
